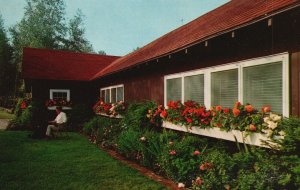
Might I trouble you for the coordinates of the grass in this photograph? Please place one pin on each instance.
(63, 164)
(5, 115)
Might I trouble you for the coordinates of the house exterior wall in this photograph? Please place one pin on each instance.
(146, 81)
(80, 92)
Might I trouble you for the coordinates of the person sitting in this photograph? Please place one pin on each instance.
(60, 119)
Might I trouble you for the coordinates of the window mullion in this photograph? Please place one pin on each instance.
(207, 88)
(182, 89)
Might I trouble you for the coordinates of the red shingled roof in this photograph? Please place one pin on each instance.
(62, 65)
(231, 15)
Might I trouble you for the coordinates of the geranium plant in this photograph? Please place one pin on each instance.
(110, 109)
(58, 102)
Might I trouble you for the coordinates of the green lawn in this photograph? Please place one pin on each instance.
(5, 115)
(63, 164)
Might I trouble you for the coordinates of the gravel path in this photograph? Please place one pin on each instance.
(3, 123)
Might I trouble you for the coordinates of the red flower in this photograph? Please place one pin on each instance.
(266, 109)
(172, 152)
(190, 103)
(173, 105)
(196, 152)
(219, 125)
(226, 110)
(23, 105)
(252, 127)
(189, 120)
(163, 114)
(236, 112)
(218, 108)
(237, 104)
(249, 108)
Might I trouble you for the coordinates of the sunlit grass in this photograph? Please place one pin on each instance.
(5, 115)
(62, 164)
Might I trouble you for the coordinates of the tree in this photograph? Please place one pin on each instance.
(44, 26)
(77, 41)
(7, 69)
(101, 52)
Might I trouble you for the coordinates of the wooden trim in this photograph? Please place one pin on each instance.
(252, 138)
(295, 83)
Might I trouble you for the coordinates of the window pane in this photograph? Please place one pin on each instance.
(224, 88)
(174, 88)
(120, 93)
(102, 94)
(194, 88)
(113, 95)
(263, 86)
(107, 96)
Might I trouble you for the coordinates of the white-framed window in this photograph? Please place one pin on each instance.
(112, 94)
(60, 94)
(260, 81)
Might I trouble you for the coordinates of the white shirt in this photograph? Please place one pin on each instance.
(61, 118)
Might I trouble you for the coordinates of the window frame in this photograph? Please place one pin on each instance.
(109, 88)
(282, 57)
(60, 90)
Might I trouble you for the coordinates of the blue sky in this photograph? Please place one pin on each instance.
(119, 26)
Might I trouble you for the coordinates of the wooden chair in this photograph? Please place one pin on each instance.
(62, 131)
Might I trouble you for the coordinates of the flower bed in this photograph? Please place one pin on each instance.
(201, 163)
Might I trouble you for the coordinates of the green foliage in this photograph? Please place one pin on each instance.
(103, 130)
(79, 114)
(217, 169)
(129, 144)
(291, 141)
(34, 116)
(178, 160)
(7, 69)
(77, 41)
(136, 116)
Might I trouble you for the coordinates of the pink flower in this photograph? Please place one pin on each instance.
(172, 152)
(252, 127)
(199, 181)
(196, 152)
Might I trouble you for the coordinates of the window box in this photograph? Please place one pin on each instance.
(251, 138)
(111, 116)
(63, 107)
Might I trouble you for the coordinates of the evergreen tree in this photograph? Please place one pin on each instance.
(7, 69)
(77, 41)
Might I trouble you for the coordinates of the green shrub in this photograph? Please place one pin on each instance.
(31, 118)
(90, 127)
(178, 160)
(151, 149)
(291, 142)
(79, 114)
(136, 115)
(129, 144)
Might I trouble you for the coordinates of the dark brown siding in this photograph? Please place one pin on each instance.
(80, 92)
(295, 83)
(146, 81)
